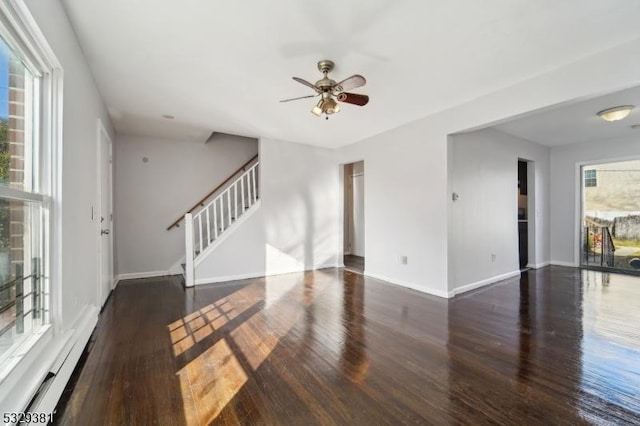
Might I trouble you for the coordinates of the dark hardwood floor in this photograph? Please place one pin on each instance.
(354, 263)
(558, 346)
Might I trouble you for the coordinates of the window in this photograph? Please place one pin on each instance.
(590, 178)
(25, 189)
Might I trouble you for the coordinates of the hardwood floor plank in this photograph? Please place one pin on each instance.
(556, 346)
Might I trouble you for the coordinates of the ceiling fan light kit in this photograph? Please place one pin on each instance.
(331, 92)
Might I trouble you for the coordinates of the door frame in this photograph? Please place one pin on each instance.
(579, 202)
(101, 132)
(532, 214)
(352, 233)
(341, 207)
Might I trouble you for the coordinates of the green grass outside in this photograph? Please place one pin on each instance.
(626, 243)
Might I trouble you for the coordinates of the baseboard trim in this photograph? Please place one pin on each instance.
(392, 281)
(66, 362)
(138, 275)
(55, 354)
(215, 280)
(483, 283)
(562, 263)
(539, 265)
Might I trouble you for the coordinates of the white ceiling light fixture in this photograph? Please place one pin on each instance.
(616, 113)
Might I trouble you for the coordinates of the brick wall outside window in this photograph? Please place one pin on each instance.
(16, 160)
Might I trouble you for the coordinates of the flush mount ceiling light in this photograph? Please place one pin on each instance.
(616, 113)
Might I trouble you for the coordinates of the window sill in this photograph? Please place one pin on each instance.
(22, 349)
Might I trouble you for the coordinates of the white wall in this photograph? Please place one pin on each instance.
(405, 204)
(151, 195)
(484, 218)
(82, 106)
(407, 200)
(297, 224)
(74, 297)
(565, 189)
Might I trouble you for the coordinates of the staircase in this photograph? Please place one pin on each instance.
(212, 219)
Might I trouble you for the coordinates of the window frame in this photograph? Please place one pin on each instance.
(591, 181)
(23, 36)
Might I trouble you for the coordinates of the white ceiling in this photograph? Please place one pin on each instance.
(224, 65)
(578, 122)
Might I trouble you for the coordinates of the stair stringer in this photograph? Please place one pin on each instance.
(235, 226)
(241, 255)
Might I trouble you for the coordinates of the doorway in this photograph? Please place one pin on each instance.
(610, 232)
(104, 216)
(523, 214)
(354, 254)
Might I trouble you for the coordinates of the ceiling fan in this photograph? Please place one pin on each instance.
(330, 91)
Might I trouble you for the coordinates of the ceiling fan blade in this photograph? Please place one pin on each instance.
(350, 83)
(301, 97)
(353, 98)
(306, 83)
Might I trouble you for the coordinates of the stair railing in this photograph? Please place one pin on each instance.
(608, 249)
(598, 238)
(202, 201)
(208, 224)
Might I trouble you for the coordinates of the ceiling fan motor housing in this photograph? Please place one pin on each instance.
(325, 66)
(325, 84)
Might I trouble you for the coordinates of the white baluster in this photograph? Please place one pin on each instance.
(242, 192)
(221, 212)
(188, 240)
(200, 230)
(255, 194)
(228, 206)
(215, 219)
(208, 227)
(235, 199)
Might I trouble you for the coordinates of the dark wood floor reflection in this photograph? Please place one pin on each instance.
(558, 346)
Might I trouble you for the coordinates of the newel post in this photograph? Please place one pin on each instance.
(188, 239)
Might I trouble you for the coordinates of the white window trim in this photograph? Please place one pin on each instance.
(16, 194)
(32, 358)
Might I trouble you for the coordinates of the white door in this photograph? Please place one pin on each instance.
(358, 216)
(104, 217)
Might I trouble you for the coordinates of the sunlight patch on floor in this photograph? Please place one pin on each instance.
(210, 382)
(200, 324)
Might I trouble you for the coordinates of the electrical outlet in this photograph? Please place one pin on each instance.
(403, 260)
(493, 257)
